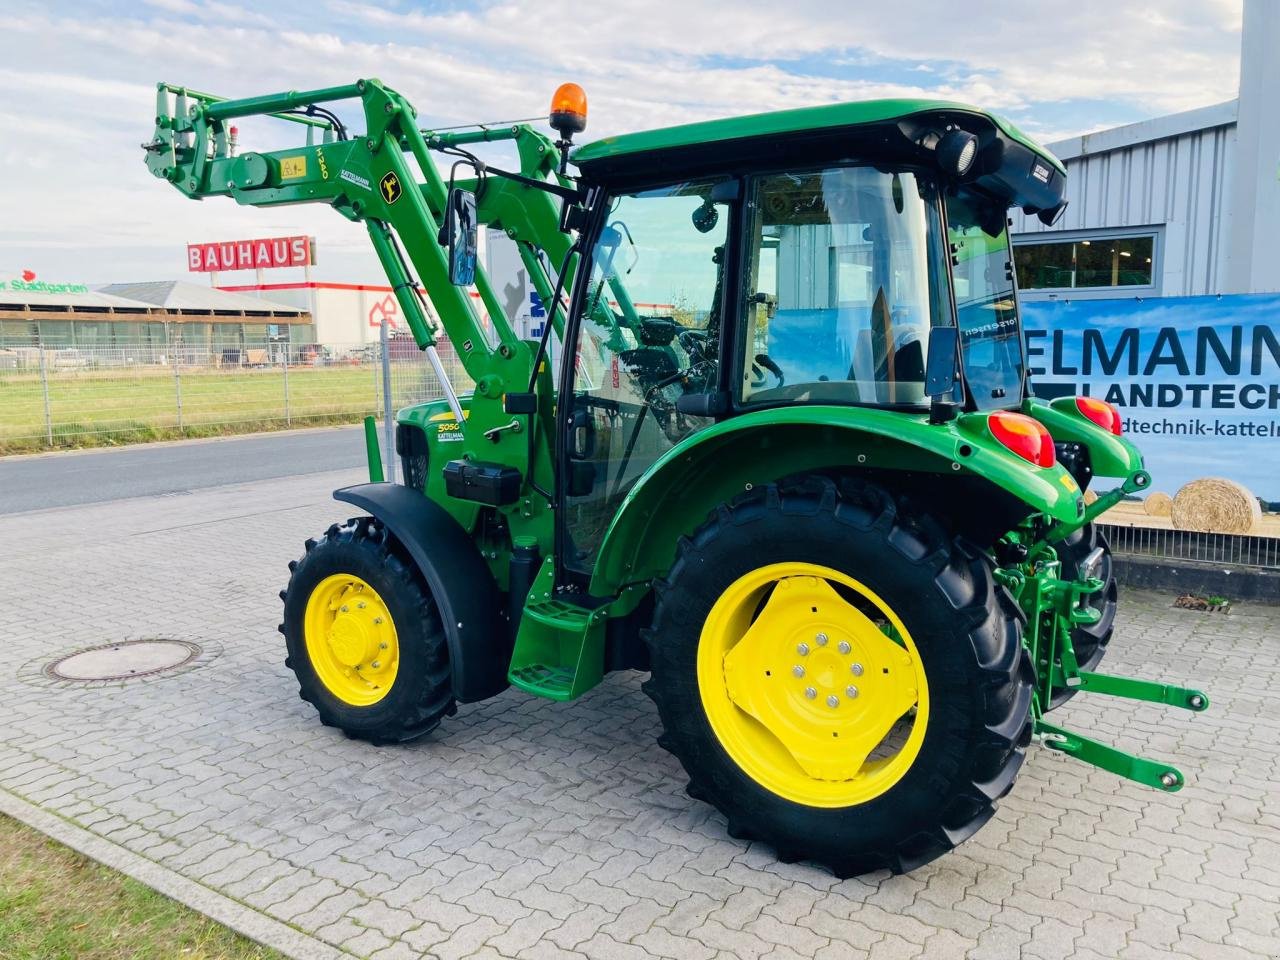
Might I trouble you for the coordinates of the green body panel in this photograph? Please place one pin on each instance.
(1111, 456)
(791, 121)
(444, 440)
(719, 462)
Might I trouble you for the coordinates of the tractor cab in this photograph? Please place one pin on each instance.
(801, 258)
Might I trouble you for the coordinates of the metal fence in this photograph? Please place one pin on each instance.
(52, 398)
(1229, 549)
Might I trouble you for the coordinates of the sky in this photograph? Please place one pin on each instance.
(79, 89)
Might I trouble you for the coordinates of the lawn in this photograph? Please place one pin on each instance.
(58, 905)
(131, 405)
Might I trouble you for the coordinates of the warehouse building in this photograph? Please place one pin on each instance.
(1182, 205)
(146, 318)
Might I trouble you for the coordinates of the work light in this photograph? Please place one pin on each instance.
(956, 151)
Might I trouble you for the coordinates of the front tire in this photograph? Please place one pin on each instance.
(364, 636)
(861, 582)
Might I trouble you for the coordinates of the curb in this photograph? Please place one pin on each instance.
(152, 444)
(1182, 576)
(230, 913)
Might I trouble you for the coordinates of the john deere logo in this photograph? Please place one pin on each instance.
(390, 186)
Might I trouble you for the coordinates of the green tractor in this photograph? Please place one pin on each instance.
(775, 446)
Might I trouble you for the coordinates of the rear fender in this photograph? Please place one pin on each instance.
(459, 580)
(716, 464)
(1109, 455)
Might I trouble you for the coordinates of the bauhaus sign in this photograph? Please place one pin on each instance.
(249, 254)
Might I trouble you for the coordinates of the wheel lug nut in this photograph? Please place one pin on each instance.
(798, 670)
(833, 701)
(375, 664)
(361, 605)
(382, 646)
(344, 608)
(377, 621)
(850, 691)
(843, 646)
(810, 692)
(822, 639)
(803, 649)
(856, 669)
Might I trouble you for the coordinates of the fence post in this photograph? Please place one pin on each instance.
(388, 423)
(177, 386)
(44, 386)
(288, 416)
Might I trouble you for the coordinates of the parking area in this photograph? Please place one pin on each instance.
(524, 828)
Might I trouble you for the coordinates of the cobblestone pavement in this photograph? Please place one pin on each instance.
(524, 828)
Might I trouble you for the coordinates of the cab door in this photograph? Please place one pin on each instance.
(648, 334)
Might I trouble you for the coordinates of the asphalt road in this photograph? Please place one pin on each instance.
(92, 476)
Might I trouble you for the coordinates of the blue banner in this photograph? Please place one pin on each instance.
(1197, 379)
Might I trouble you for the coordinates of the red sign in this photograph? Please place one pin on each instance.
(249, 254)
(384, 309)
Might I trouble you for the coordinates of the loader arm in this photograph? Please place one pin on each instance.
(387, 178)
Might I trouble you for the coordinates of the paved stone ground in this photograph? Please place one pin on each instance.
(530, 829)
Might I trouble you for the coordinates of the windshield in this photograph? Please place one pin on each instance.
(986, 305)
(845, 278)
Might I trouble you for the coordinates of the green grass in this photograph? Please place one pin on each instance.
(108, 407)
(58, 905)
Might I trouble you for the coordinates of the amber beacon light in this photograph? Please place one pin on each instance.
(569, 110)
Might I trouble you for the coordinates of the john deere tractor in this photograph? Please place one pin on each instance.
(775, 446)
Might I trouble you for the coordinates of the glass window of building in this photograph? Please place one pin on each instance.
(1086, 263)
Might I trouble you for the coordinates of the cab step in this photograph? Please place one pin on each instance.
(559, 651)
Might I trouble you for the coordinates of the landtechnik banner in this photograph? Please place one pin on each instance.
(1197, 379)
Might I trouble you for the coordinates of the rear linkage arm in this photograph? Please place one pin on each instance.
(1055, 602)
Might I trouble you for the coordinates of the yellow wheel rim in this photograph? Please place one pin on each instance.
(351, 640)
(812, 685)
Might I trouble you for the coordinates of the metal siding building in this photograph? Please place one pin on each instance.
(1201, 183)
(1171, 176)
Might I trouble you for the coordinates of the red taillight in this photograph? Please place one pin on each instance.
(1100, 412)
(1024, 436)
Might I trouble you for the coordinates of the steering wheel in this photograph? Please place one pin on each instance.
(761, 363)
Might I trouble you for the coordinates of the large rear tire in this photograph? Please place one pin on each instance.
(797, 623)
(364, 636)
(1089, 640)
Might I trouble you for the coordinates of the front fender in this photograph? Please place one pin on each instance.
(716, 464)
(460, 583)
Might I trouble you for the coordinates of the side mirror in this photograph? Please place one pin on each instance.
(460, 236)
(940, 366)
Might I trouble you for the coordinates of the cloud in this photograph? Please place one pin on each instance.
(81, 82)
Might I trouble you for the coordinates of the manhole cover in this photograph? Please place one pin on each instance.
(124, 660)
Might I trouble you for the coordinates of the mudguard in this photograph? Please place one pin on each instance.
(718, 462)
(458, 577)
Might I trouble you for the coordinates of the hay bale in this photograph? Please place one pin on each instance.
(1215, 505)
(1090, 497)
(1158, 504)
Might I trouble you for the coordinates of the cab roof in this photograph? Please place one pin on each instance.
(798, 120)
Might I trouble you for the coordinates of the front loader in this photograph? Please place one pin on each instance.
(776, 447)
